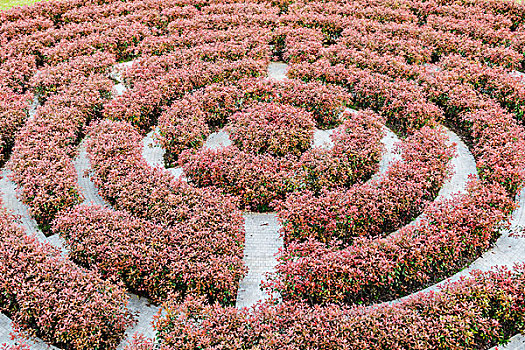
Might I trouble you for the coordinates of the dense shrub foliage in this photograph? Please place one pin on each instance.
(152, 259)
(272, 128)
(381, 269)
(205, 225)
(52, 298)
(376, 207)
(13, 113)
(200, 67)
(261, 178)
(456, 317)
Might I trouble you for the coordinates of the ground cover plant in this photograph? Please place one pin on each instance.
(190, 68)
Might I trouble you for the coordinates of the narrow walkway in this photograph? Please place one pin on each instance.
(153, 154)
(262, 242)
(145, 312)
(6, 330)
(140, 306)
(463, 167)
(87, 187)
(517, 342)
(278, 70)
(390, 154)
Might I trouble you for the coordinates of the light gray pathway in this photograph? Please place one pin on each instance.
(34, 105)
(87, 187)
(145, 313)
(19, 209)
(116, 71)
(463, 167)
(323, 138)
(218, 140)
(6, 330)
(390, 153)
(277, 70)
(516, 343)
(153, 154)
(262, 242)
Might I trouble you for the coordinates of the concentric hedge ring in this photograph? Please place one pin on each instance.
(417, 64)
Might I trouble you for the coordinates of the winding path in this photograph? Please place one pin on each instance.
(263, 239)
(140, 306)
(29, 225)
(87, 187)
(262, 229)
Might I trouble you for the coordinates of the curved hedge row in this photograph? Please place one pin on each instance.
(142, 104)
(261, 179)
(474, 313)
(153, 260)
(272, 128)
(50, 297)
(209, 225)
(415, 63)
(376, 207)
(42, 161)
(13, 114)
(373, 270)
(189, 121)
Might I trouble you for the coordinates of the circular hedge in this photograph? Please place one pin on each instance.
(200, 66)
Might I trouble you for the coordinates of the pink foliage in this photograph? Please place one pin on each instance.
(50, 297)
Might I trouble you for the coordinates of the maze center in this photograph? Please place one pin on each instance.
(262, 175)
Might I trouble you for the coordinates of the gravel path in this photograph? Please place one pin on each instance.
(389, 155)
(145, 312)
